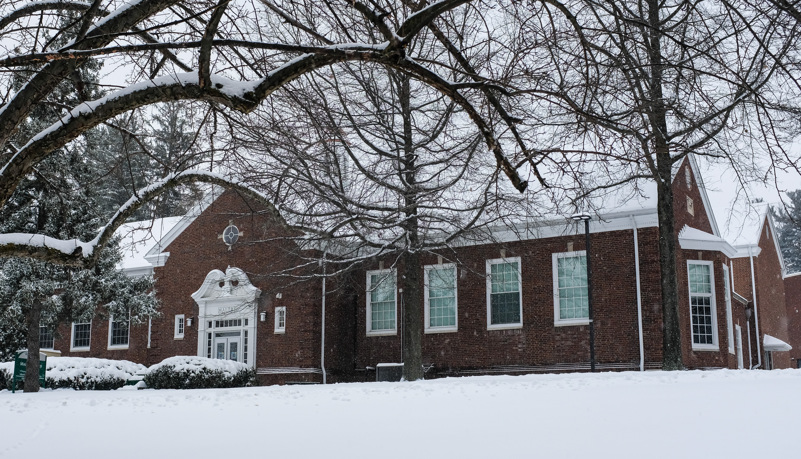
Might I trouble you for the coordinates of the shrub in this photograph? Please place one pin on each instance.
(80, 373)
(187, 372)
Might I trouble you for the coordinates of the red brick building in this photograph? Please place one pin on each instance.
(232, 287)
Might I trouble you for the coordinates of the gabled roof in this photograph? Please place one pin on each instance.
(137, 239)
(699, 180)
(156, 256)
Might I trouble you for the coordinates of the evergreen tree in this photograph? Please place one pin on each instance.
(60, 200)
(788, 221)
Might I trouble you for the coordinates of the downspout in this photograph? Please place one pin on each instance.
(322, 327)
(756, 313)
(639, 296)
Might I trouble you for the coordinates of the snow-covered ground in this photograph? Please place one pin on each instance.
(714, 414)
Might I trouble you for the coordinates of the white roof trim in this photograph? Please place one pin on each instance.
(699, 180)
(773, 344)
(155, 255)
(694, 239)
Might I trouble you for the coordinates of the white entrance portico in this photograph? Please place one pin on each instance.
(227, 316)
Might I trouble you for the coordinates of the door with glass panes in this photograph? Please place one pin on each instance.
(228, 346)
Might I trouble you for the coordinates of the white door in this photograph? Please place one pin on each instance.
(228, 346)
(738, 344)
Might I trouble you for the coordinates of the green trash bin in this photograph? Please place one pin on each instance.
(21, 366)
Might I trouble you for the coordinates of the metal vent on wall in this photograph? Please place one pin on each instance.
(391, 372)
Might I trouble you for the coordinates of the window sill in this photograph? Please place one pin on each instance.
(279, 332)
(382, 333)
(705, 348)
(571, 322)
(79, 349)
(431, 331)
(504, 326)
(178, 337)
(118, 348)
(731, 351)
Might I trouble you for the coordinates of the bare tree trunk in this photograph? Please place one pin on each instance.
(671, 333)
(32, 320)
(413, 306)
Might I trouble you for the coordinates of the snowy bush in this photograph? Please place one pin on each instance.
(80, 373)
(89, 373)
(187, 372)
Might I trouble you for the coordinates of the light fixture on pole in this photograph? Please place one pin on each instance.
(585, 217)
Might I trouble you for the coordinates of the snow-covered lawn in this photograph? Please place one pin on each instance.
(714, 414)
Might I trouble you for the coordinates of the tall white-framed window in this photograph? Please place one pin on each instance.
(81, 337)
(280, 319)
(118, 333)
(727, 300)
(382, 296)
(46, 338)
(703, 315)
(180, 326)
(571, 304)
(504, 294)
(440, 298)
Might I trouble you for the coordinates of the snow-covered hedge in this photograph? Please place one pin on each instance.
(80, 373)
(188, 372)
(84, 373)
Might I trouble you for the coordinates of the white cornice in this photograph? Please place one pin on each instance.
(694, 239)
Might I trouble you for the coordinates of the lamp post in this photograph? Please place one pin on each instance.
(585, 217)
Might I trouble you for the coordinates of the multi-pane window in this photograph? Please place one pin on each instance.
(440, 298)
(702, 305)
(381, 300)
(571, 302)
(81, 335)
(727, 299)
(46, 339)
(180, 326)
(118, 333)
(280, 319)
(503, 293)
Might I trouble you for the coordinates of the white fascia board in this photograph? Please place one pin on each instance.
(699, 180)
(645, 218)
(745, 251)
(775, 239)
(140, 271)
(694, 239)
(155, 256)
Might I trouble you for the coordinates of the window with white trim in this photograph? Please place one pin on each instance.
(504, 296)
(702, 305)
(46, 338)
(81, 336)
(280, 319)
(440, 298)
(180, 326)
(118, 334)
(727, 299)
(382, 295)
(571, 305)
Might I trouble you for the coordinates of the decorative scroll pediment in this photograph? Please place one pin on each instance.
(231, 284)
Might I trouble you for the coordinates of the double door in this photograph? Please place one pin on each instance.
(228, 346)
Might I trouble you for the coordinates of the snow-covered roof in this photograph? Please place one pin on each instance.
(694, 239)
(773, 344)
(137, 238)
